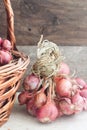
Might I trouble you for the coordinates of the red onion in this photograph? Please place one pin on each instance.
(30, 107)
(6, 45)
(5, 57)
(47, 112)
(57, 79)
(78, 101)
(66, 106)
(60, 113)
(81, 82)
(83, 92)
(85, 86)
(64, 88)
(74, 89)
(31, 82)
(64, 69)
(23, 97)
(40, 99)
(1, 41)
(85, 104)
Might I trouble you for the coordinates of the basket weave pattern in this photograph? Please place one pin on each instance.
(10, 74)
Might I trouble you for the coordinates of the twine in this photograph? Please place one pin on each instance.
(48, 60)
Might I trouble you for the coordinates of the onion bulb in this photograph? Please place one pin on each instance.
(23, 97)
(66, 106)
(47, 113)
(81, 82)
(64, 87)
(30, 107)
(31, 82)
(40, 99)
(6, 45)
(78, 101)
(64, 69)
(5, 57)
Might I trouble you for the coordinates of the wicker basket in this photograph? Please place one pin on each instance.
(10, 74)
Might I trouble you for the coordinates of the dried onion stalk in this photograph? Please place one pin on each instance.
(48, 60)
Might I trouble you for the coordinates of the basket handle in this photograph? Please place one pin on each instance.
(10, 23)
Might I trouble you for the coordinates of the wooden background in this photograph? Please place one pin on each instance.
(61, 21)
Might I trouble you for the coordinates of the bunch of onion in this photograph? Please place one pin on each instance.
(50, 98)
(33, 95)
(49, 91)
(49, 111)
(40, 102)
(71, 95)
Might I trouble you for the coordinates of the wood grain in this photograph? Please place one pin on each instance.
(61, 21)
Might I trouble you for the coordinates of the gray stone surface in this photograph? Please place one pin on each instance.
(75, 57)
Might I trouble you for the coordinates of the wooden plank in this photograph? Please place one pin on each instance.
(75, 57)
(64, 22)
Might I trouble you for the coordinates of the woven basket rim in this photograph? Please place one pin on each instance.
(21, 62)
